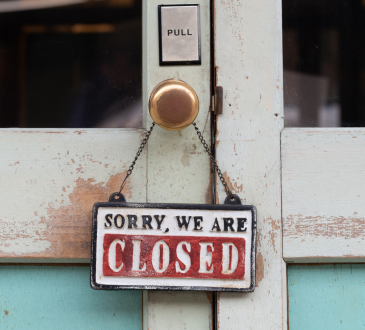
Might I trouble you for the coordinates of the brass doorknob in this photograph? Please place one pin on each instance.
(173, 104)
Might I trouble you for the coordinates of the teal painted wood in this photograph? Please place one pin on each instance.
(47, 297)
(326, 297)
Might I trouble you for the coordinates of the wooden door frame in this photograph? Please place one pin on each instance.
(248, 55)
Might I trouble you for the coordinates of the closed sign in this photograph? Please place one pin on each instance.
(173, 246)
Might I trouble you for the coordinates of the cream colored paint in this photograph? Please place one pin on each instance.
(323, 171)
(178, 167)
(179, 310)
(249, 59)
(40, 170)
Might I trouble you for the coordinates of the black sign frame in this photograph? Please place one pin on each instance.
(218, 207)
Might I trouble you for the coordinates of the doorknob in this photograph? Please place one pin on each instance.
(173, 104)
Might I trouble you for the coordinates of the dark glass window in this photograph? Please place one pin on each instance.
(71, 66)
(324, 63)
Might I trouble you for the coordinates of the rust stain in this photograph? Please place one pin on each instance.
(6, 312)
(323, 226)
(237, 188)
(259, 269)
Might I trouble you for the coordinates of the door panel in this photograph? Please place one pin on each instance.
(50, 180)
(323, 172)
(326, 297)
(47, 297)
(249, 59)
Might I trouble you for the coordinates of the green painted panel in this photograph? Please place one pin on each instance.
(326, 297)
(47, 297)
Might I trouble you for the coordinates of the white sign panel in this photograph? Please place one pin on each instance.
(173, 247)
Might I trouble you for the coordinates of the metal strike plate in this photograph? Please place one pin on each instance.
(179, 34)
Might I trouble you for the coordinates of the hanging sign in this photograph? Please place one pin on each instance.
(173, 246)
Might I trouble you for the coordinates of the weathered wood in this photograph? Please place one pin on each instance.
(323, 171)
(249, 60)
(178, 167)
(50, 180)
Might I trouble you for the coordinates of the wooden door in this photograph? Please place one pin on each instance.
(307, 185)
(50, 178)
(248, 55)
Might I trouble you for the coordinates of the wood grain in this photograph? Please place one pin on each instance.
(323, 174)
(249, 60)
(50, 180)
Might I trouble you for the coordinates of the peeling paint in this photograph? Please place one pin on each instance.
(259, 269)
(66, 230)
(237, 188)
(324, 226)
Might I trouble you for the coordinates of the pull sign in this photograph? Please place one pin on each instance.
(179, 32)
(173, 247)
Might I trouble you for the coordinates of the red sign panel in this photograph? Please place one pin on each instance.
(174, 256)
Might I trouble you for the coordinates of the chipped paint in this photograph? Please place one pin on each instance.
(324, 226)
(323, 216)
(235, 187)
(260, 268)
(248, 148)
(47, 208)
(65, 229)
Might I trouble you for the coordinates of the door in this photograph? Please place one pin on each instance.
(248, 55)
(51, 177)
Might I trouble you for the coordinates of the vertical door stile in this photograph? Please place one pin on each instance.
(248, 54)
(178, 168)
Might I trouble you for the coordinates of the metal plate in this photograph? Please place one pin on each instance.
(173, 247)
(179, 34)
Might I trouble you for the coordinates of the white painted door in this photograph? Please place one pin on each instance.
(248, 55)
(307, 183)
(50, 179)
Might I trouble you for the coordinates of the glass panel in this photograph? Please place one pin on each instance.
(324, 63)
(71, 66)
(47, 297)
(326, 297)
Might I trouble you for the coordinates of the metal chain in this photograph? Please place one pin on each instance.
(142, 145)
(206, 147)
(214, 163)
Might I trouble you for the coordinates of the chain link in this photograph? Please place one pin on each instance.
(214, 163)
(206, 147)
(142, 145)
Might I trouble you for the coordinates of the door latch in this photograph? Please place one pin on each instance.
(218, 100)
